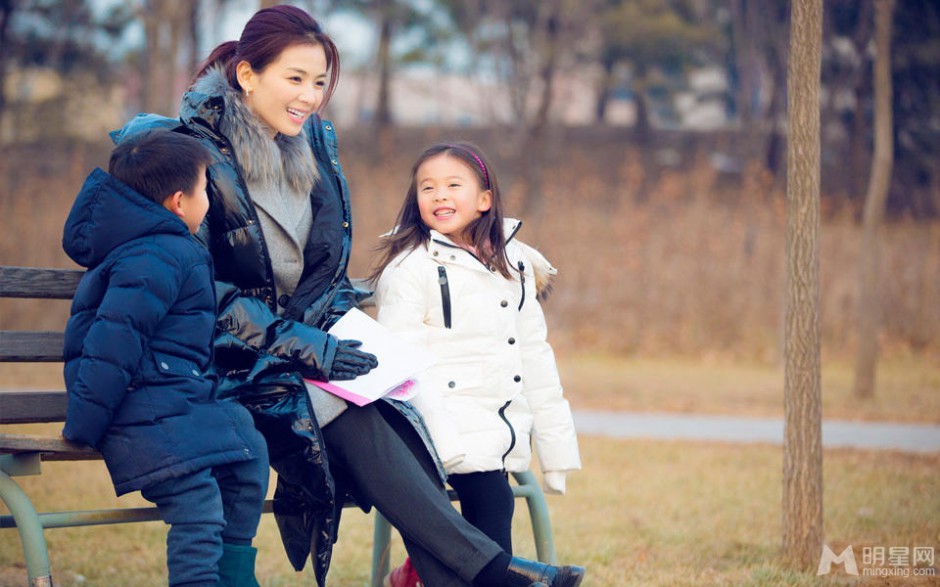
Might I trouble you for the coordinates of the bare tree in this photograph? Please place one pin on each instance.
(869, 307)
(759, 35)
(547, 33)
(649, 36)
(165, 27)
(6, 14)
(525, 42)
(802, 448)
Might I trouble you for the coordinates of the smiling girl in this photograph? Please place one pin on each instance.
(454, 278)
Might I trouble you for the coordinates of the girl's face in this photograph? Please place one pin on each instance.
(286, 92)
(450, 196)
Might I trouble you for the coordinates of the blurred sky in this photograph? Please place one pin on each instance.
(354, 35)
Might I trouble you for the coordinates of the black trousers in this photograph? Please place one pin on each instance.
(487, 502)
(380, 456)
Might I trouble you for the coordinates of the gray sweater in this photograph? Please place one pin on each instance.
(286, 216)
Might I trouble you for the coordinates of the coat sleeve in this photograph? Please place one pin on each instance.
(401, 302)
(249, 333)
(553, 431)
(345, 298)
(141, 289)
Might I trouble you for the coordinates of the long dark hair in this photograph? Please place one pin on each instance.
(485, 234)
(265, 36)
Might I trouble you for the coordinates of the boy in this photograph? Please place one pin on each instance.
(137, 348)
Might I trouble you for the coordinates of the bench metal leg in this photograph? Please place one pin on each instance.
(529, 488)
(381, 549)
(30, 529)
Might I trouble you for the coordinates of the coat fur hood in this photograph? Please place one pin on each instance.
(262, 159)
(543, 270)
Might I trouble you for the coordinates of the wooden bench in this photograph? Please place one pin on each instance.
(23, 454)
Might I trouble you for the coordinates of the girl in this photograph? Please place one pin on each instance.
(454, 277)
(279, 231)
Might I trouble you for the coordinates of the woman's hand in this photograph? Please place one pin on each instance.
(349, 362)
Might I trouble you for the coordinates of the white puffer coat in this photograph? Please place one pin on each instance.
(495, 386)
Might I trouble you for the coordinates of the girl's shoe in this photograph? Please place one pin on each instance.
(403, 576)
(526, 573)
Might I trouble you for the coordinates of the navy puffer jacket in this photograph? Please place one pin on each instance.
(138, 344)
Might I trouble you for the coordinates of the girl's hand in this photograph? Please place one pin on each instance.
(553, 482)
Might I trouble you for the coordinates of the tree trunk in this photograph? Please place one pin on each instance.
(869, 307)
(642, 128)
(862, 91)
(6, 15)
(533, 205)
(165, 25)
(604, 91)
(383, 116)
(802, 448)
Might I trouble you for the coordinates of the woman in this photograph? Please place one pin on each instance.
(279, 231)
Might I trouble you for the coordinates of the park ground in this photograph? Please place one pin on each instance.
(641, 512)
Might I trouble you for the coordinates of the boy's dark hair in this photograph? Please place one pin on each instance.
(159, 163)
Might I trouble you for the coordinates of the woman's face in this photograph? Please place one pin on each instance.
(286, 92)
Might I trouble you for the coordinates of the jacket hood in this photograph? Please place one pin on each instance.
(543, 270)
(106, 214)
(541, 267)
(262, 159)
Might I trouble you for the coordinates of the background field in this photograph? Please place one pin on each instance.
(669, 298)
(639, 514)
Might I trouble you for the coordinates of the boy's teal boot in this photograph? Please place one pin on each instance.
(237, 566)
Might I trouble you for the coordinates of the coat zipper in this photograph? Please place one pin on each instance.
(445, 293)
(512, 433)
(522, 283)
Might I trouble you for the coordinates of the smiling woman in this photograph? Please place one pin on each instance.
(288, 90)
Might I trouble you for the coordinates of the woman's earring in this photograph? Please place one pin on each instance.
(247, 92)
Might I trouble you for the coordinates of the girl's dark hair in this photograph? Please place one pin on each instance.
(159, 163)
(265, 36)
(485, 234)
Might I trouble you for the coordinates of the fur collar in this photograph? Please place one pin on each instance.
(262, 159)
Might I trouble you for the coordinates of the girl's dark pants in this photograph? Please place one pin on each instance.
(486, 500)
(377, 452)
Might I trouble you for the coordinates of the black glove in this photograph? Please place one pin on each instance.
(349, 362)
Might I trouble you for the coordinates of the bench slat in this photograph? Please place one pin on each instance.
(34, 282)
(32, 407)
(31, 346)
(66, 450)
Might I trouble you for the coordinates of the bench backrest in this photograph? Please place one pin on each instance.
(38, 346)
(34, 346)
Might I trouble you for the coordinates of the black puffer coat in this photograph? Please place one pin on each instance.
(261, 357)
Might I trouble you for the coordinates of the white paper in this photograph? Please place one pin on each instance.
(399, 361)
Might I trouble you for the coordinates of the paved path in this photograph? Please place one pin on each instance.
(869, 435)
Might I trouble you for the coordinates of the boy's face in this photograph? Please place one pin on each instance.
(196, 203)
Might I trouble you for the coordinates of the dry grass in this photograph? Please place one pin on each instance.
(639, 514)
(908, 388)
(652, 261)
(669, 298)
